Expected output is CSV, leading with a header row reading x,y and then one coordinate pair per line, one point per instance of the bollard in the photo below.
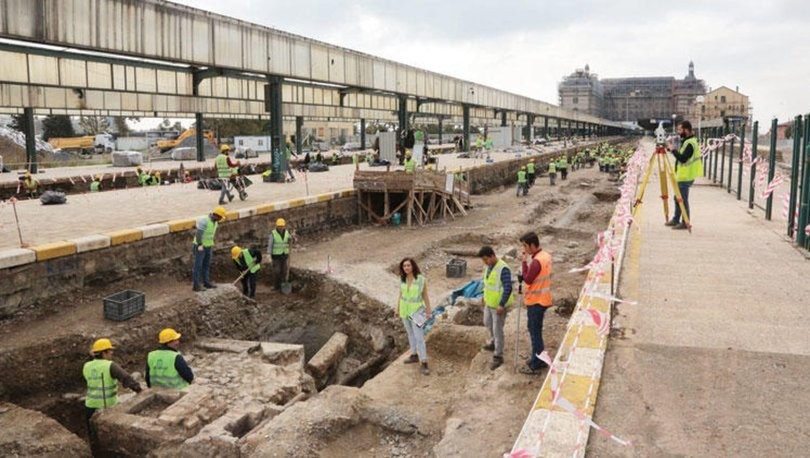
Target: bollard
x,y
753,172
740,165
794,174
771,168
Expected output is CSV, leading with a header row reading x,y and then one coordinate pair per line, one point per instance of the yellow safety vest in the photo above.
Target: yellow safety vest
x,y
223,171
693,167
208,233
249,260
522,176
410,297
102,388
162,372
281,245
493,288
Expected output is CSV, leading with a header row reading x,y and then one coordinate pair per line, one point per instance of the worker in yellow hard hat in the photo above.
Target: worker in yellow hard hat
x,y
248,261
410,162
102,376
95,185
30,185
278,247
522,182
203,244
530,173
165,366
224,166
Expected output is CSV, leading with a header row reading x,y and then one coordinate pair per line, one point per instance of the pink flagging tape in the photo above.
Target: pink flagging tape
x,y
608,297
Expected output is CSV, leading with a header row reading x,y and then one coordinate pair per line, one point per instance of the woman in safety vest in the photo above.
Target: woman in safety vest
x,y
413,306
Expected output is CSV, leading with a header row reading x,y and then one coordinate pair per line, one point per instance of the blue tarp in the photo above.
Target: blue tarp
x,y
472,289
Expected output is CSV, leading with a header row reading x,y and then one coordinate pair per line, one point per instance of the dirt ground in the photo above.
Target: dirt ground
x,y
464,405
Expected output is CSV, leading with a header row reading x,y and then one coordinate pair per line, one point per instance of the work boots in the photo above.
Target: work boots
x,y
496,362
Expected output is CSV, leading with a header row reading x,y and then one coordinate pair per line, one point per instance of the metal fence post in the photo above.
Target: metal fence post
x,y
794,174
716,155
723,159
730,159
771,168
740,165
753,172
804,207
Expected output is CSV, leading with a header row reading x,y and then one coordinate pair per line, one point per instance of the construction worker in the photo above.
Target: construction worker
x,y
30,185
479,143
530,172
688,166
497,297
410,163
488,142
522,182
552,172
290,153
562,166
413,300
203,244
95,185
278,247
248,261
165,366
224,166
142,176
187,177
459,175
536,269
102,376
155,179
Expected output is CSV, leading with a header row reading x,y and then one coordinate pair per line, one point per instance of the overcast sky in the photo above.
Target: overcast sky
x,y
527,46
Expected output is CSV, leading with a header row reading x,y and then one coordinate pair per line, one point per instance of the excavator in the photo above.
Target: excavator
x,y
166,145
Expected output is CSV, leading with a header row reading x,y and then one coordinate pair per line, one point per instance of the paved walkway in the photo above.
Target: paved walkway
x,y
714,360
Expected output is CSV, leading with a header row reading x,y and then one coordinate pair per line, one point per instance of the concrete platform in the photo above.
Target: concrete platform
x,y
714,359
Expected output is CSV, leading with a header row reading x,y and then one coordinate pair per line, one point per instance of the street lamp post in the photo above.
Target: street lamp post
x,y
699,99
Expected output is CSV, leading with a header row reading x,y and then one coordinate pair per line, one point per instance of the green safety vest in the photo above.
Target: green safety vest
x,y
354,159
95,186
694,165
162,372
410,165
30,183
479,142
281,245
410,297
552,167
102,388
208,233
493,288
223,171
521,176
489,144
563,164
142,178
249,260
530,168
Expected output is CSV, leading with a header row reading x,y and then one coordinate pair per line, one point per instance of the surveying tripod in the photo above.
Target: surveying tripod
x,y
664,171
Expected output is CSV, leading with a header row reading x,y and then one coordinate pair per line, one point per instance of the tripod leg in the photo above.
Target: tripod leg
x,y
662,178
643,186
678,196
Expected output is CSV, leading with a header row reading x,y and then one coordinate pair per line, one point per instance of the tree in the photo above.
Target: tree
x,y
92,125
54,126
18,123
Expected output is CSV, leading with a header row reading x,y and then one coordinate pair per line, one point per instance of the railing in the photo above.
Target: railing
x,y
728,154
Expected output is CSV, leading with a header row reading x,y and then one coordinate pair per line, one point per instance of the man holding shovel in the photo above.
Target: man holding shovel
x,y
278,247
248,261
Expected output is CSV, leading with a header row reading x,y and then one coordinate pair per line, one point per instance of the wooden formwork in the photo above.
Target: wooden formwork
x,y
420,197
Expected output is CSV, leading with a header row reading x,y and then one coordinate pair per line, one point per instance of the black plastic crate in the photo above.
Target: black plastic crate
x,y
124,305
456,268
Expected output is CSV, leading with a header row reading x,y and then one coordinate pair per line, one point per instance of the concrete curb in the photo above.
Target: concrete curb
x,y
15,257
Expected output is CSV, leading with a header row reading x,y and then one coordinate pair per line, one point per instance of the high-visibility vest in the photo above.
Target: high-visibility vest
x,y
142,177
249,260
552,167
95,186
281,245
538,292
493,288
521,176
410,165
102,388
30,183
530,168
354,159
223,171
410,297
563,163
693,167
208,233
162,372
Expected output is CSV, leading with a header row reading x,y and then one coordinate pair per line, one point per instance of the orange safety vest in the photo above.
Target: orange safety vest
x,y
538,292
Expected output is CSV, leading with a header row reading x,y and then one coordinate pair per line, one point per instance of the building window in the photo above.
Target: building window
x,y
576,100
722,99
723,113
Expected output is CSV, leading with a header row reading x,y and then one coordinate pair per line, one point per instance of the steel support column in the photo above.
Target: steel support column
x,y
545,127
198,137
30,140
503,118
559,128
466,130
362,133
299,135
272,104
441,128
402,116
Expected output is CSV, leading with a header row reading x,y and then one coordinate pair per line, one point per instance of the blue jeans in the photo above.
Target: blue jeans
x,y
223,193
202,265
534,321
683,187
416,339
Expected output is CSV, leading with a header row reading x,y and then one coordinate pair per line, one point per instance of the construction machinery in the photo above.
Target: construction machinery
x,y
88,144
166,145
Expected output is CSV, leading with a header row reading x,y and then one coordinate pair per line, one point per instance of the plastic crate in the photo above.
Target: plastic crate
x,y
124,305
456,268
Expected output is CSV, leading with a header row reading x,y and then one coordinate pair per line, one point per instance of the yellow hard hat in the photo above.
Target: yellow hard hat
x,y
220,211
102,345
531,160
281,222
522,167
224,147
27,174
98,177
168,335
235,252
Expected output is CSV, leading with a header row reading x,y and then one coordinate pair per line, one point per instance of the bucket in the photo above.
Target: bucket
x,y
396,219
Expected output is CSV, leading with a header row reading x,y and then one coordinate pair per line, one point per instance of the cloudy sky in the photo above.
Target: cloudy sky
x,y
527,46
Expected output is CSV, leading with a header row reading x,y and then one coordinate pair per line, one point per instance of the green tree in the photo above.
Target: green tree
x,y
18,123
92,125
54,126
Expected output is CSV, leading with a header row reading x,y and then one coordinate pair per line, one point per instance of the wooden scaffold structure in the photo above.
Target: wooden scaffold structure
x,y
421,196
